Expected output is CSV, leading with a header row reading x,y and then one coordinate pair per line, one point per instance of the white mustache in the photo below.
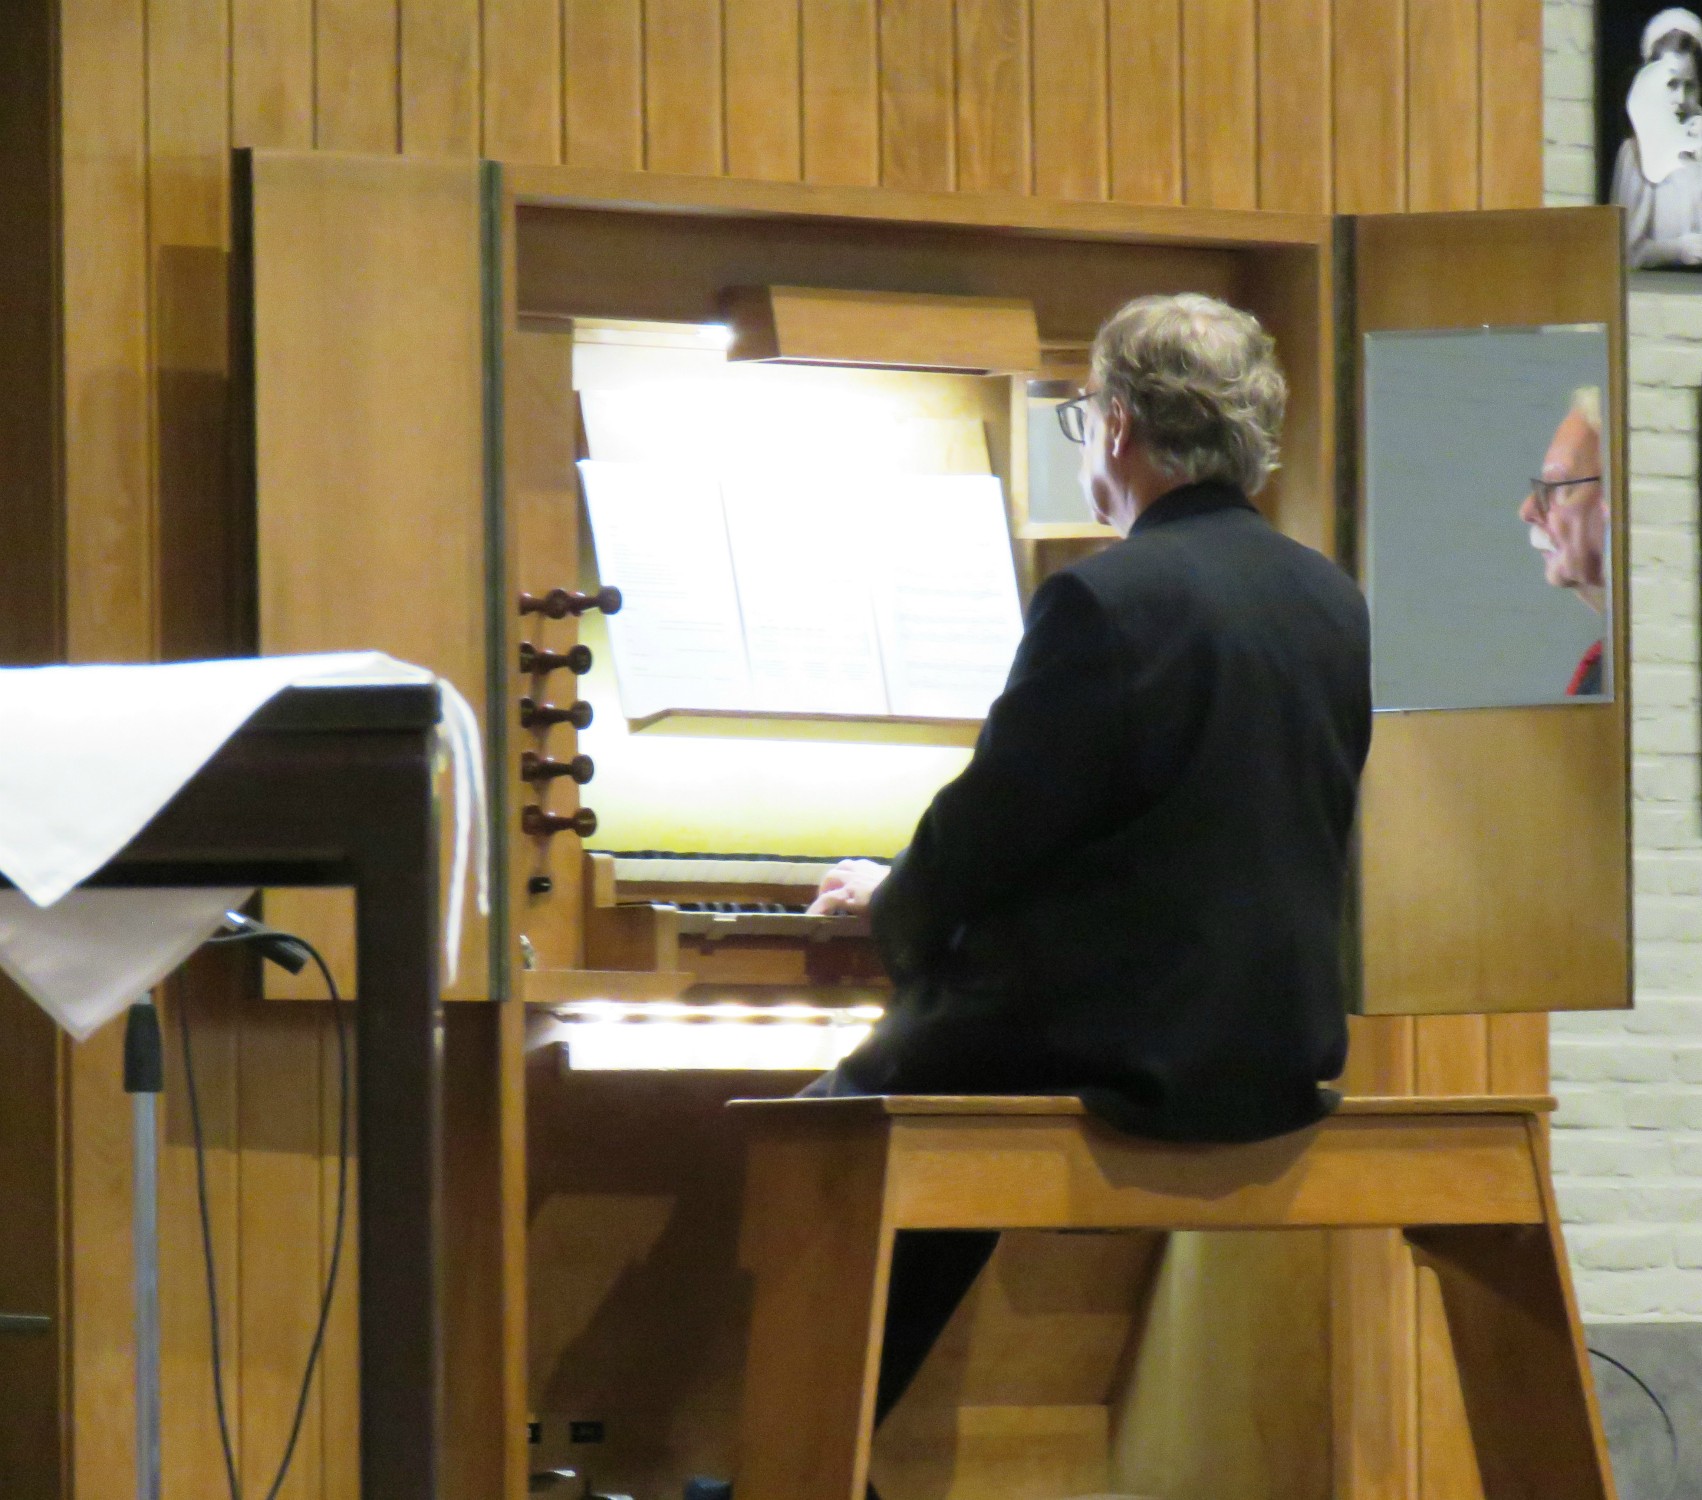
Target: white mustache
x,y
1541,540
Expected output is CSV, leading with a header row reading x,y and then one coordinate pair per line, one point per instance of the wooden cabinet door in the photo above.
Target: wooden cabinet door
x,y
1495,851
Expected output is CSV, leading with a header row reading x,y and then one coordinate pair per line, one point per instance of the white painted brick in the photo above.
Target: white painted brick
x,y
1664,363
1664,502
1664,778
1662,1109
1687,1249
1672,967
1659,408
1664,454
1599,1248
1687,1064
1663,1015
1598,1153
1664,827
1569,28
1667,643
1672,735
1687,1157
1677,1202
1568,75
1623,1060
1662,547
1570,175
1590,1108
1625,1294
1665,314
1592,1203
1657,689
1675,874
1570,120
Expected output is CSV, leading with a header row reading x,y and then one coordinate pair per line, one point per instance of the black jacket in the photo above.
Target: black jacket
x,y
1134,891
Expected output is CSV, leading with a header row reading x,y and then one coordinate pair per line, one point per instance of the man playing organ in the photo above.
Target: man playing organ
x,y
1134,891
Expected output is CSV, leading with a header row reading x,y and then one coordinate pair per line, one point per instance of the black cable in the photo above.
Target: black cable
x,y
284,949
1660,1406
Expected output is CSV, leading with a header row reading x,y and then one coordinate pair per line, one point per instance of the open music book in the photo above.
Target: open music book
x,y
861,596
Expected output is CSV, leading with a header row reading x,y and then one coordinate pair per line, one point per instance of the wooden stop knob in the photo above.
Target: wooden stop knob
x,y
538,768
537,823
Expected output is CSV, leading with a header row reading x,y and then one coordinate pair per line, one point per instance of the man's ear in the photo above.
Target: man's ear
x,y
1117,426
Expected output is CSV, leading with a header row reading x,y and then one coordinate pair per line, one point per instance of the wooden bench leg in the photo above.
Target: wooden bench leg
x,y
1523,1367
816,1237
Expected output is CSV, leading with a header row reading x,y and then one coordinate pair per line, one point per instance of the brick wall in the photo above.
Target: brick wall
x,y
1628,1134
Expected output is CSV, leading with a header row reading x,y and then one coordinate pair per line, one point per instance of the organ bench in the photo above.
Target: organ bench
x,y
831,1182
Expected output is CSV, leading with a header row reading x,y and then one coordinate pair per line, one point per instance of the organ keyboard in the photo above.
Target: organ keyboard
x,y
705,961
728,920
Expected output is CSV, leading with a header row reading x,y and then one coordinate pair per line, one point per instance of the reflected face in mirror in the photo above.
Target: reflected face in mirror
x,y
1566,508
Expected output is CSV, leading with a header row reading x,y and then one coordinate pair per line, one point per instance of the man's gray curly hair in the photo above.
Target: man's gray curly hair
x,y
1201,383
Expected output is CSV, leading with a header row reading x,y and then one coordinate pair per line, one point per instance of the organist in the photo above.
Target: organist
x,y
1134,891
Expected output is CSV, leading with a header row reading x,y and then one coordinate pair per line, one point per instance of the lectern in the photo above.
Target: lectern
x,y
333,786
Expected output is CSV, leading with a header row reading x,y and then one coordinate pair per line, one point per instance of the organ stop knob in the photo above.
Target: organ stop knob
x,y
536,715
536,768
558,604
537,823
537,661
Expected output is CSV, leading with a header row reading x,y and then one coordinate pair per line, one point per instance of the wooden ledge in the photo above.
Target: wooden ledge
x,y
1007,1105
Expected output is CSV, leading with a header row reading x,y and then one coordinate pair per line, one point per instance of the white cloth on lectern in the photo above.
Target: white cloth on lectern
x,y
92,953
88,756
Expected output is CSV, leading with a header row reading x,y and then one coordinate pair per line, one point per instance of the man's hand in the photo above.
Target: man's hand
x,y
847,887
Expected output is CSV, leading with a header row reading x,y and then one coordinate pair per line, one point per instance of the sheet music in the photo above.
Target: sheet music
x,y
799,563
944,591
661,532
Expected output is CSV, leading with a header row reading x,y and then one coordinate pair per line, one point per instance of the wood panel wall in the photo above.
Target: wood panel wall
x,y
1356,105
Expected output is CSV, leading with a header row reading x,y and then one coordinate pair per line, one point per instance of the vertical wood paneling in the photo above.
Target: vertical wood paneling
x,y
1512,177
841,103
1295,125
337,1409
280,1229
1145,61
764,124
356,54
109,531
918,92
271,63
603,55
522,80
993,150
1442,105
203,610
682,87
31,522
32,1432
1071,129
439,79
1220,105
102,1415
1369,70
210,991
1511,144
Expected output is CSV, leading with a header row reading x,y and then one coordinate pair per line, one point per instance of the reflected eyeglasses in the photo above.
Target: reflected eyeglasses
x,y
1542,491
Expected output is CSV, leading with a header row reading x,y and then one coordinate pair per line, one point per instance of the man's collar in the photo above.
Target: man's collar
x,y
1199,499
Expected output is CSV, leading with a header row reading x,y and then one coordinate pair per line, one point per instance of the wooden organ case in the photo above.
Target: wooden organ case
x,y
423,338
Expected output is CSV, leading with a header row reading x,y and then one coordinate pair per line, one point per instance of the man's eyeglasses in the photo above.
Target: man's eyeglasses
x,y
1072,417
1542,491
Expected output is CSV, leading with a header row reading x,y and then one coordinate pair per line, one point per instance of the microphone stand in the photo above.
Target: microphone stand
x,y
144,1081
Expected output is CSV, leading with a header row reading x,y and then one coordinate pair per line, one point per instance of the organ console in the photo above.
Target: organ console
x,y
642,982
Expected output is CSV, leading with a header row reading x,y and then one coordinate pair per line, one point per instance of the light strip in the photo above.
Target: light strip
x,y
659,1045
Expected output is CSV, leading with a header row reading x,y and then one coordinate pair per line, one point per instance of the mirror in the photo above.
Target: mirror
x,y
1487,482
